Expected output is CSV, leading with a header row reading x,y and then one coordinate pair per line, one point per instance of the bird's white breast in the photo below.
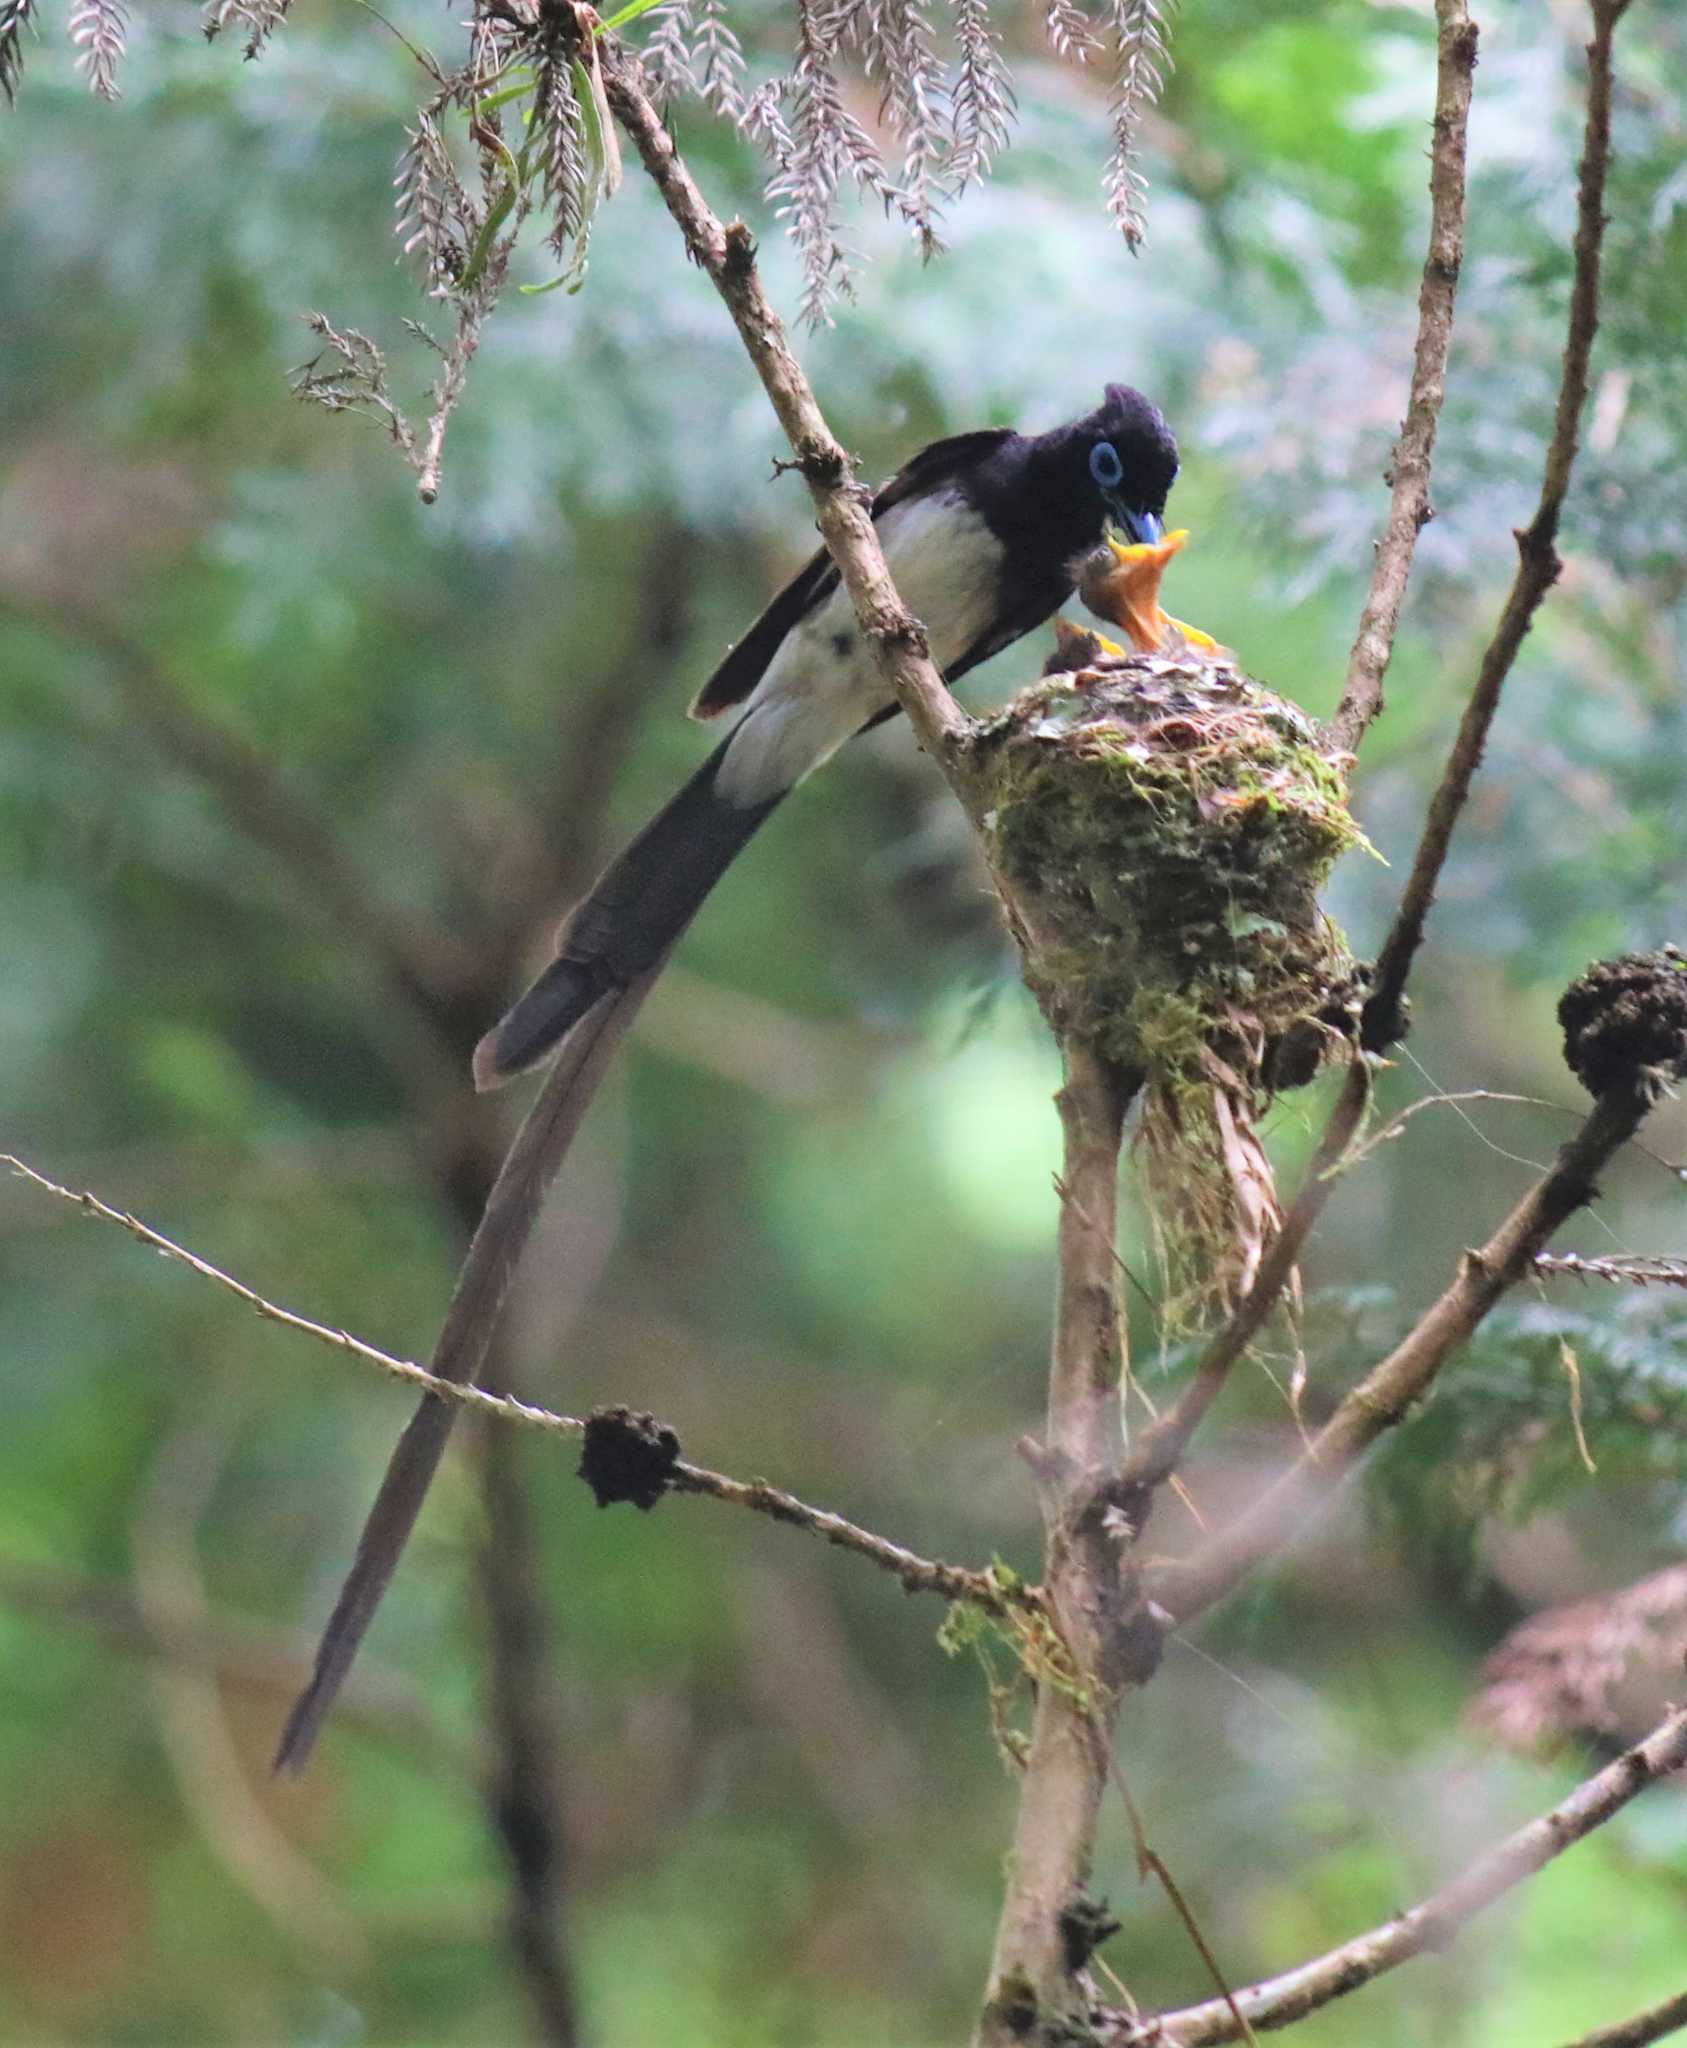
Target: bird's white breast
x,y
823,685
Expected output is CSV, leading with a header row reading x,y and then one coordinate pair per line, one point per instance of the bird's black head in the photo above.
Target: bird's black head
x,y
1123,455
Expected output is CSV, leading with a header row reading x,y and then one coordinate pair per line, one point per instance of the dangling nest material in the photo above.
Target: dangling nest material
x,y
1162,826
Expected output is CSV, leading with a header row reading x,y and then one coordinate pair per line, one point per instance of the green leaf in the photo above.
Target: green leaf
x,y
623,15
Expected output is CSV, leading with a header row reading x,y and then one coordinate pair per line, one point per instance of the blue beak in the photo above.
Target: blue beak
x,y
1142,527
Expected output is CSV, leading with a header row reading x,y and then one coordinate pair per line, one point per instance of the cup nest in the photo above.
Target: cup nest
x,y
1162,825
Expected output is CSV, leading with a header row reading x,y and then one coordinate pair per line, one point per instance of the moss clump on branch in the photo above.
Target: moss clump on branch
x,y
1626,1019
1161,825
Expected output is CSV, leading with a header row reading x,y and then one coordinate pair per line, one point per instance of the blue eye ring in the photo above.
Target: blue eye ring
x,y
1105,465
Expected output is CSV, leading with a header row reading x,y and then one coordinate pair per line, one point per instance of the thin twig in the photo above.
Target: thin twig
x,y
1150,1863
1639,2028
1157,1454
503,1407
1621,1271
918,1574
1538,564
1390,1389
1409,509
1397,1124
506,1407
1438,1919
452,381
727,255
429,63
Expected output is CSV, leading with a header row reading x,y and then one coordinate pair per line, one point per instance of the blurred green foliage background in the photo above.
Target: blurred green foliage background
x,y
297,776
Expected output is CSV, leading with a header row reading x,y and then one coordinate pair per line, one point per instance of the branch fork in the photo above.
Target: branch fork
x,y
1109,1614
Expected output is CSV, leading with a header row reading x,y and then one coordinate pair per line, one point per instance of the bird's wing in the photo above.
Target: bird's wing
x,y
815,581
1004,631
935,465
1032,609
746,663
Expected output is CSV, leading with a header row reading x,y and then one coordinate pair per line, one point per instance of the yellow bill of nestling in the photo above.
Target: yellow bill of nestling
x,y
1078,647
1121,583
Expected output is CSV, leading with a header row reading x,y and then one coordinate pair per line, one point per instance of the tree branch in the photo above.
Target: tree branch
x,y
1630,1270
1634,2032
1158,1452
1409,509
918,1574
1403,1378
338,1340
522,1786
1090,1584
1438,1920
1386,1393
1538,564
727,254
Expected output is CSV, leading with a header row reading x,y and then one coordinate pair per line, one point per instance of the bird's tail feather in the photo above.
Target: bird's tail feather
x,y
531,1165
634,913
611,950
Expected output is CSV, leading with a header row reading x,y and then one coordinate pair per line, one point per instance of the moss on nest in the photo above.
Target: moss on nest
x,y
1163,825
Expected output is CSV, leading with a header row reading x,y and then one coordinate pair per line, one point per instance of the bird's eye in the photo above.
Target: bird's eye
x,y
1105,465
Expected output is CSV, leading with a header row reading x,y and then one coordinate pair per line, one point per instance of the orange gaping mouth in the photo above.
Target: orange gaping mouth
x,y
1121,584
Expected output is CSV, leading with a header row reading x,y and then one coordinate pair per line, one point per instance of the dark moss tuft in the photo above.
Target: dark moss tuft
x,y
628,1456
1625,1021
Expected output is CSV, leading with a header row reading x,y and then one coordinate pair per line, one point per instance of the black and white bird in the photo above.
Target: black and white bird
x,y
982,534
979,533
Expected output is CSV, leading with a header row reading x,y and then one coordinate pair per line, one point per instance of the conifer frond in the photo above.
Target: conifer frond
x,y
952,120
349,374
259,18
15,17
824,145
100,31
1142,61
1071,32
560,120
433,210
717,62
763,120
899,53
982,102
666,57
1480,1447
